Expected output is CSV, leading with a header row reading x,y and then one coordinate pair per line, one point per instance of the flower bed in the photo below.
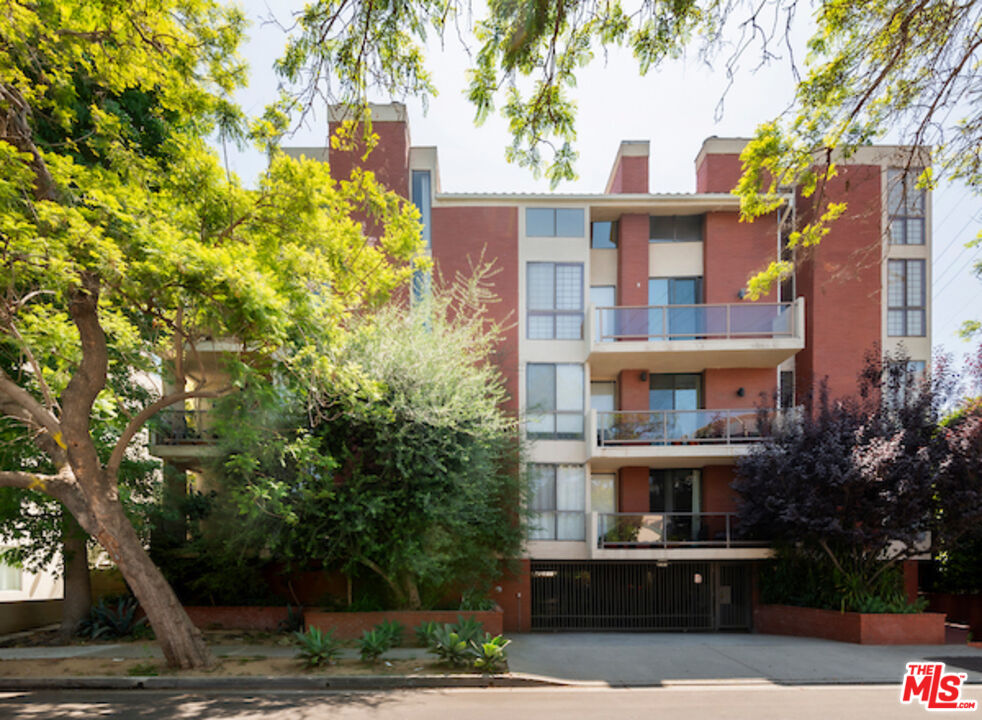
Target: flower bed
x,y
861,628
235,617
348,625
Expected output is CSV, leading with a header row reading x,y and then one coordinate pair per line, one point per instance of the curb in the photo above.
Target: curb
x,y
274,682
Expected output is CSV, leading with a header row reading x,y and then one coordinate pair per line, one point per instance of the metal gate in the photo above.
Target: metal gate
x,y
605,595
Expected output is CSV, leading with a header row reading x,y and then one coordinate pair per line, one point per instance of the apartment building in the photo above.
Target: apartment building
x,y
641,371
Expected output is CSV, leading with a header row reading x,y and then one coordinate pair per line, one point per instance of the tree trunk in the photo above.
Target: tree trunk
x,y
181,642
78,588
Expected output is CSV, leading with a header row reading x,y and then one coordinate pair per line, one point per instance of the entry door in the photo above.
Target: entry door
x,y
604,296
602,399
675,323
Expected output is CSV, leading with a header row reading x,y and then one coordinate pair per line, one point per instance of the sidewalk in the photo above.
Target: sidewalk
x,y
621,659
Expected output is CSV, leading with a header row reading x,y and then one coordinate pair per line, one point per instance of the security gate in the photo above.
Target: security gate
x,y
605,595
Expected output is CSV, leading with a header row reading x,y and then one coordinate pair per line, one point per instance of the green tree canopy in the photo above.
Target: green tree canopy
x,y
870,67
125,244
415,476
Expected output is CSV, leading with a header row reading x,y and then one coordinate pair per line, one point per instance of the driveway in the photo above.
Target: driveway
x,y
618,659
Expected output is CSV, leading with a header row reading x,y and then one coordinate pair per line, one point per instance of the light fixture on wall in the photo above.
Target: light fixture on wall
x,y
741,293
740,392
644,376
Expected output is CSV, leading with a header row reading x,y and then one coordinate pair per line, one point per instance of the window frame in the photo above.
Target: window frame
x,y
553,313
907,181
555,511
906,308
675,228
554,411
555,222
612,236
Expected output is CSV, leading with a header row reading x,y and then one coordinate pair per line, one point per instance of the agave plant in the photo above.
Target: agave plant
x,y
114,620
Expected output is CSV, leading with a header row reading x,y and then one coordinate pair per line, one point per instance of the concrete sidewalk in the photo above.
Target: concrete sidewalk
x,y
618,659
633,659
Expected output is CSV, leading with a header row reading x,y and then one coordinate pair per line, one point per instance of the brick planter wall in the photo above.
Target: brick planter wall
x,y
348,625
861,628
222,617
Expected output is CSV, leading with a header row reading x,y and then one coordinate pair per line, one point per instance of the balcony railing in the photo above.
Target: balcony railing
x,y
183,427
695,322
670,529
664,427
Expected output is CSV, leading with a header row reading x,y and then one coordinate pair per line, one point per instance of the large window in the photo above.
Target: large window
x,y
676,393
906,207
558,502
10,577
555,301
905,298
554,222
423,200
677,491
603,235
554,401
675,228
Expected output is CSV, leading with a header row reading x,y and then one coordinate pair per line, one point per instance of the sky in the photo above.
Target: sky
x,y
675,108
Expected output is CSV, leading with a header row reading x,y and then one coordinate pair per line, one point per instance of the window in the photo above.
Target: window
x,y
603,235
676,393
905,298
555,301
554,222
676,491
682,323
554,401
675,228
905,205
603,394
423,200
786,389
604,298
558,502
10,577
902,380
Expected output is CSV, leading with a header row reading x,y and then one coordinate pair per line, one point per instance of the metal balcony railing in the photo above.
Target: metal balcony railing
x,y
669,529
183,427
665,427
695,322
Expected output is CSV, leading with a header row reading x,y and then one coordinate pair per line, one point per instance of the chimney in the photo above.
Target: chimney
x,y
630,171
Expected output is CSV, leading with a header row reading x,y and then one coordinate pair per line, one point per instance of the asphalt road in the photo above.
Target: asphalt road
x,y
761,702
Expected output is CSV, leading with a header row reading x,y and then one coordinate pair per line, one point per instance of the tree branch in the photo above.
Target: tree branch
x,y
24,400
134,425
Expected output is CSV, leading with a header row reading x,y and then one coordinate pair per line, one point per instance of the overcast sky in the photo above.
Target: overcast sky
x,y
675,108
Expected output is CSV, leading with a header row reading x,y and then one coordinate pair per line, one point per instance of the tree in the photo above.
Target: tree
x,y
871,67
124,243
862,481
414,477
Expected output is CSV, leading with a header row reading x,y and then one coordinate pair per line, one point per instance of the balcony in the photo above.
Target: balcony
x,y
691,338
675,438
670,535
183,435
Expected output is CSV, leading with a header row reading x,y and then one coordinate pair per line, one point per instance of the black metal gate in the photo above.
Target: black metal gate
x,y
605,595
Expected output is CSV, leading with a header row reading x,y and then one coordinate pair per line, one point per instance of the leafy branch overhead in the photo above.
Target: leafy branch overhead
x,y
871,67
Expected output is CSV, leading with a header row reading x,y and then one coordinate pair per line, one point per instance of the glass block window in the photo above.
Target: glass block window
x,y
675,228
554,222
906,298
558,502
555,301
554,401
906,207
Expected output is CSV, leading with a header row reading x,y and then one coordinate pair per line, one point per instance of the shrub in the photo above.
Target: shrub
x,y
317,647
450,647
394,629
468,629
113,620
489,655
293,622
373,644
424,633
476,600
